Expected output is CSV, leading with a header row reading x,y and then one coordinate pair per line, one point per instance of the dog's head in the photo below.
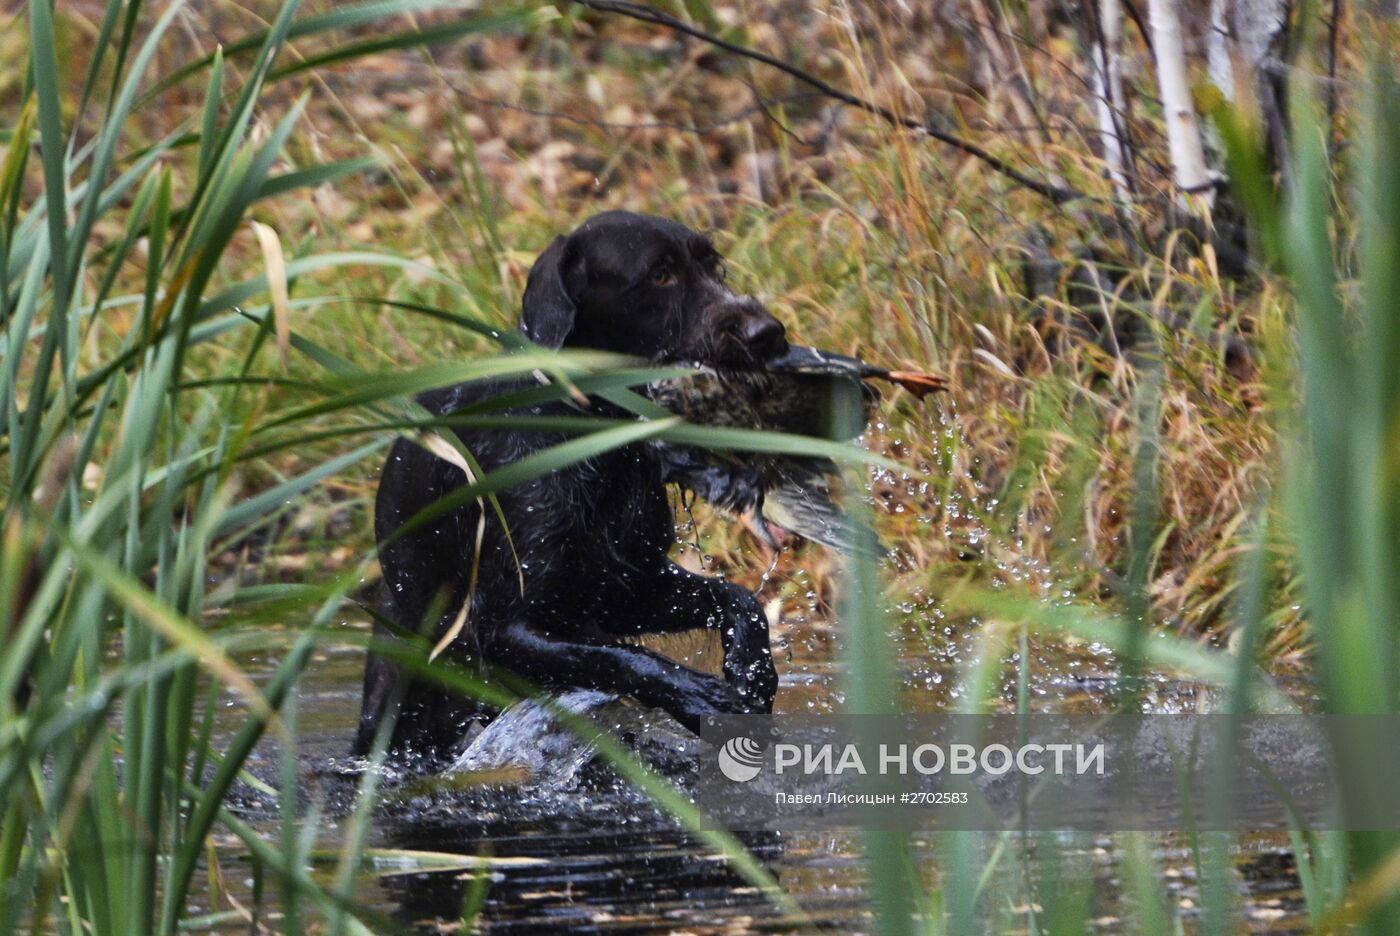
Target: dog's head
x,y
644,286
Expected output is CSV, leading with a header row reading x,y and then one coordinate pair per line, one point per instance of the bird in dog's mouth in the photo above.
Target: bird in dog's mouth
x,y
805,391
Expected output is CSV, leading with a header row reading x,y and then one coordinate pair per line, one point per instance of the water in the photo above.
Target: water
x,y
607,861
616,865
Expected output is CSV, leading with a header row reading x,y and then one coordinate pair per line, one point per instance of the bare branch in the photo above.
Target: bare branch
x,y
1055,193
1333,28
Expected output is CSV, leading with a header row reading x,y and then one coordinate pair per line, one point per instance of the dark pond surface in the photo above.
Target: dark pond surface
x,y
607,862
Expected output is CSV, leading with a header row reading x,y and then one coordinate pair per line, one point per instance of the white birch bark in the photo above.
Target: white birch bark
x,y
1259,27
1183,128
1218,52
1260,30
1252,31
1107,81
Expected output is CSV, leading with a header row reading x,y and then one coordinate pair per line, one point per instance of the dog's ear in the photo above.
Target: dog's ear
x,y
547,310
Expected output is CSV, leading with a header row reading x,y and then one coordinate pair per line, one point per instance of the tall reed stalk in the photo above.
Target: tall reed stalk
x,y
120,467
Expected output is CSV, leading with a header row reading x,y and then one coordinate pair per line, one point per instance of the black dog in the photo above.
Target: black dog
x,y
592,539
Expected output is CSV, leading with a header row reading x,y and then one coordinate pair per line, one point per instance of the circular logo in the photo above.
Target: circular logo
x,y
741,759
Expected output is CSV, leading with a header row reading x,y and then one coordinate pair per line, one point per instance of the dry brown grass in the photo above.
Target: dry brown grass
x,y
862,238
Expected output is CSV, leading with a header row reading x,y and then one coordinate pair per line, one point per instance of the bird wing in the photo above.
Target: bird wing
x,y
728,485
801,501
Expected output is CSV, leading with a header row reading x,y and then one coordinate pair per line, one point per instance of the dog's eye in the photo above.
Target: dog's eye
x,y
663,276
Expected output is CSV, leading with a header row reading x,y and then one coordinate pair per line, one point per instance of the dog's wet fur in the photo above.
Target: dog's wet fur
x,y
592,539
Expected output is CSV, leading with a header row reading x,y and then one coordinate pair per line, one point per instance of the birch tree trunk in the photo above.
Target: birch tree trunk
x,y
1189,167
1107,81
1244,54
1260,27
1219,54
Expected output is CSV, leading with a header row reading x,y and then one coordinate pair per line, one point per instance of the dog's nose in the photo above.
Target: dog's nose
x,y
765,336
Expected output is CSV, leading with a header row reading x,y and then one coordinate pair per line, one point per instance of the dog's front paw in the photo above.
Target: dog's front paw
x,y
755,679
748,656
707,699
